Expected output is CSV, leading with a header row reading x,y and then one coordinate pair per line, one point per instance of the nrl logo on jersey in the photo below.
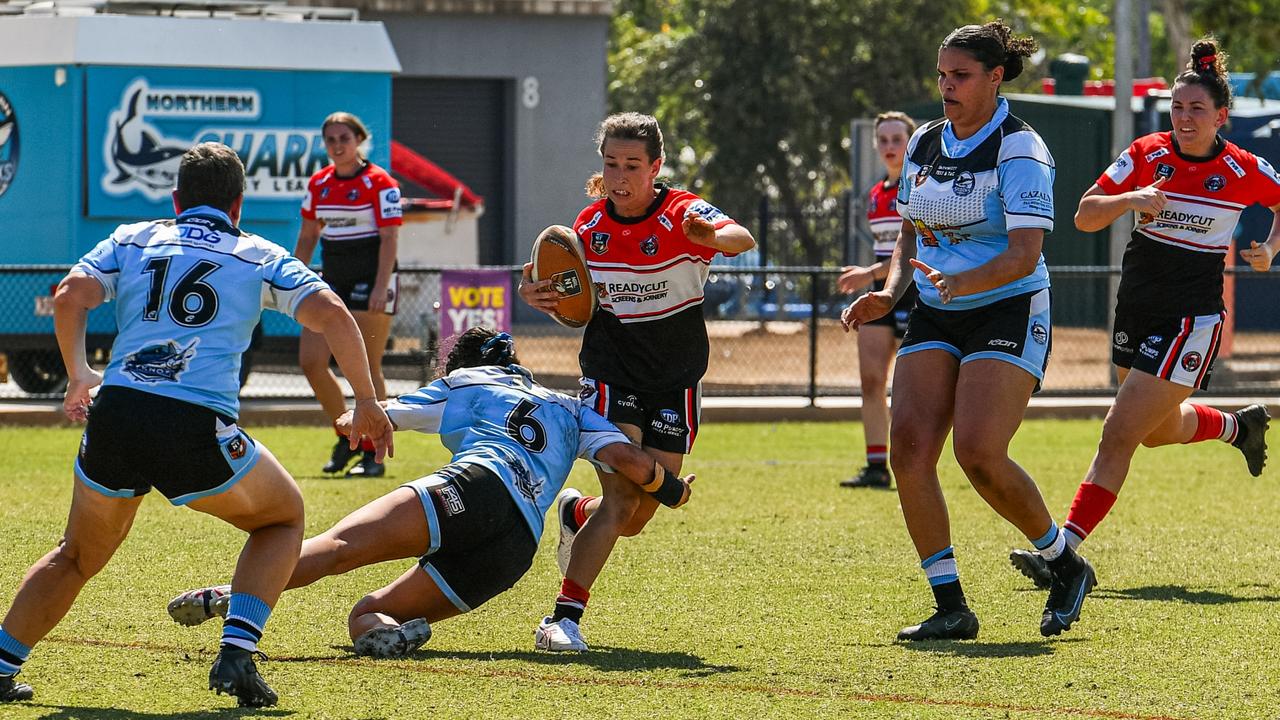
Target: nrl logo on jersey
x,y
599,242
164,362
141,158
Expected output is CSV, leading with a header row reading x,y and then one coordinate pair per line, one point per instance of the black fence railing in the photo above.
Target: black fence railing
x,y
774,332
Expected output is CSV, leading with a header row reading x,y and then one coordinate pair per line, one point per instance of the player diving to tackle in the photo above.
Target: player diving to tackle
x,y
475,523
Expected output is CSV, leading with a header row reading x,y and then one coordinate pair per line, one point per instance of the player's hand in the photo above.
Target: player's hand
x,y
538,295
869,307
75,405
687,481
368,420
1149,200
943,283
378,299
698,229
1258,256
854,277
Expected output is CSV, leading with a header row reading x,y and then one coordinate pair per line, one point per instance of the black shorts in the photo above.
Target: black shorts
x,y
668,420
138,440
1015,330
480,543
901,312
1180,350
350,267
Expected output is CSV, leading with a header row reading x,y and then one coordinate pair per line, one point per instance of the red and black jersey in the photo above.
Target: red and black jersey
x,y
883,217
352,209
649,333
1174,262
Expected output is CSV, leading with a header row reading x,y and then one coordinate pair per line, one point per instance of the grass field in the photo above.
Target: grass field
x,y
773,594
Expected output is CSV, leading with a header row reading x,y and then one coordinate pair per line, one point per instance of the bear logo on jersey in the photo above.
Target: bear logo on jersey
x,y
160,363
1191,361
649,246
599,242
1214,183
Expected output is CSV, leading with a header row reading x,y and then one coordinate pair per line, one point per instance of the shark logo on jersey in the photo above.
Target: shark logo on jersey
x,y
164,362
151,165
523,480
8,144
963,184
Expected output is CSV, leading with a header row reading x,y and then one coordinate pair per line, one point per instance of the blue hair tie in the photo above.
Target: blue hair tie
x,y
504,346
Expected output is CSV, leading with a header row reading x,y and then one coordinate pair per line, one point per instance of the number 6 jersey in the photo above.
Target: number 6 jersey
x,y
188,294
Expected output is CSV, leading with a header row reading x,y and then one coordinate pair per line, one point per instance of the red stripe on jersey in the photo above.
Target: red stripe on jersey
x,y
1206,201
1179,241
658,313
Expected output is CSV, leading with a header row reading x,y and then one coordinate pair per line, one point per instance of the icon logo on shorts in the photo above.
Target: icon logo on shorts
x,y
963,184
998,342
1214,183
650,245
1191,361
599,242
1039,333
237,447
1122,338
450,500
160,363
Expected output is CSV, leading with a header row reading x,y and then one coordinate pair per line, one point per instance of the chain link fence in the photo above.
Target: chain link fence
x,y
774,332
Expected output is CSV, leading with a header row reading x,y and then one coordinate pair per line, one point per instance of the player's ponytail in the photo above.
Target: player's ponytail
x,y
1208,69
481,346
994,45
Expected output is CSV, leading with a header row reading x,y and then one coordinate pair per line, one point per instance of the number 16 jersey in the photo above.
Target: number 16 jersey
x,y
188,294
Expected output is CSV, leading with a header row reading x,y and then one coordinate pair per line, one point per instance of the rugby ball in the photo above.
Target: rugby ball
x,y
557,256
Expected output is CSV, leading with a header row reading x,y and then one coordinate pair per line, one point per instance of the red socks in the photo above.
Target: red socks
x,y
580,512
877,454
1092,503
1212,424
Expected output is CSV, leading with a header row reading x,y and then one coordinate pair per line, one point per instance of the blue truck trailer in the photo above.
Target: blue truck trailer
x,y
98,101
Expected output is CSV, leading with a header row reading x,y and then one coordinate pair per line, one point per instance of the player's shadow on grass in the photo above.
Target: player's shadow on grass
x,y
72,712
1179,593
601,657
968,649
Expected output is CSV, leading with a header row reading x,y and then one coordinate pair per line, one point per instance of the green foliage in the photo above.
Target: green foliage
x,y
1246,28
774,593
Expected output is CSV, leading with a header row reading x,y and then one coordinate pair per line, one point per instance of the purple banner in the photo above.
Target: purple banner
x,y
474,297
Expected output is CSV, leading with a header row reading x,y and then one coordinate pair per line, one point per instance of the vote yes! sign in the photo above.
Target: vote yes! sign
x,y
474,297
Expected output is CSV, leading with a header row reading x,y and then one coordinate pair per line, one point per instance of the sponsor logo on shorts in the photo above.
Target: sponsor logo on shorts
x,y
998,342
1214,183
649,246
1039,333
669,416
668,423
1191,361
599,242
631,402
237,447
1122,338
1150,347
963,184
450,500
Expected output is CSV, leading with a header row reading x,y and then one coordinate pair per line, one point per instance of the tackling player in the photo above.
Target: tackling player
x,y
352,207
976,197
188,294
877,339
475,523
1186,189
648,249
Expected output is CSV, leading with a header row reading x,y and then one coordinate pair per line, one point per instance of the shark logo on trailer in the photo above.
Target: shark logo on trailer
x,y
8,144
141,158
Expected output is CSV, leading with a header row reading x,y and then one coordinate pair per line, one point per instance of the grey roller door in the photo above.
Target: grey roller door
x,y
463,126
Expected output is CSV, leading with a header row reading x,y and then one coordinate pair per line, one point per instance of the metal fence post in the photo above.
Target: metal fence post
x,y
813,338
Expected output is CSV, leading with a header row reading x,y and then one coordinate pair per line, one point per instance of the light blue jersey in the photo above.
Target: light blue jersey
x,y
188,294
964,196
500,419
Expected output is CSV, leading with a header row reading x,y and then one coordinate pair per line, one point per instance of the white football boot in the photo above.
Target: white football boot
x,y
561,636
195,606
394,642
564,550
